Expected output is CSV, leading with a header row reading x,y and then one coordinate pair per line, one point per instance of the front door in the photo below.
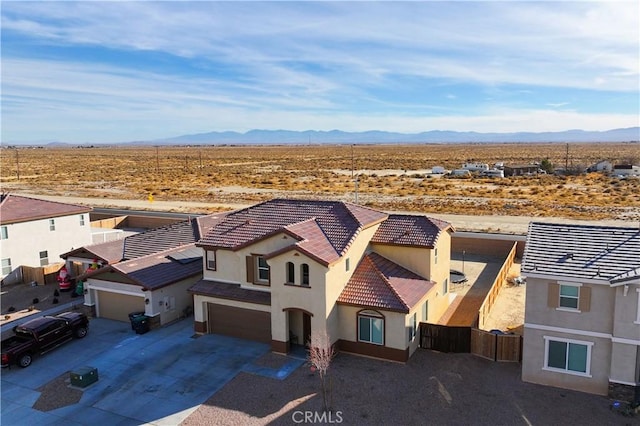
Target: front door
x,y
306,328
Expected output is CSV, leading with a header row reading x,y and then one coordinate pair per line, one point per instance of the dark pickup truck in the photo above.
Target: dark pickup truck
x,y
40,335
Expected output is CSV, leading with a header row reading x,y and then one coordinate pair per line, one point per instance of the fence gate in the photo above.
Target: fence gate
x,y
445,338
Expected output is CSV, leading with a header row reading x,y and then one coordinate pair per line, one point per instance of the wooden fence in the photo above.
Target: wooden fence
x,y
41,274
495,347
497,285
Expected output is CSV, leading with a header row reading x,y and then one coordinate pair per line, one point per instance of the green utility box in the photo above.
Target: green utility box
x,y
84,376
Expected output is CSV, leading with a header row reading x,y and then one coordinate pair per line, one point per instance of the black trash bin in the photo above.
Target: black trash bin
x,y
141,324
132,318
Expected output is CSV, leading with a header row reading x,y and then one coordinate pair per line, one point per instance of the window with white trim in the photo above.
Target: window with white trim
x,y
347,264
211,260
44,258
413,327
291,273
445,286
4,233
567,356
6,266
52,224
81,220
425,311
569,296
435,256
304,274
263,269
371,327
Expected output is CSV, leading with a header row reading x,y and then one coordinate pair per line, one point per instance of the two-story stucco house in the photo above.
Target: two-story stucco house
x,y
282,269
582,315
35,232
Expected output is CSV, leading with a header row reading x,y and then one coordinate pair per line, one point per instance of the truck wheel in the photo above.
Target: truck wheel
x,y
25,360
81,332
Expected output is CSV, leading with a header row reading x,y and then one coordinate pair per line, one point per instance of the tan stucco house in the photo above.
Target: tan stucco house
x,y
280,270
582,315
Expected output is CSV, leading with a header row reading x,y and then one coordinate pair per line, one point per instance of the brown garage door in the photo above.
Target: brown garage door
x,y
118,306
238,322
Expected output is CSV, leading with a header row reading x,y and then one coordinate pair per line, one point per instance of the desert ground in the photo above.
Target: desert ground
x,y
387,177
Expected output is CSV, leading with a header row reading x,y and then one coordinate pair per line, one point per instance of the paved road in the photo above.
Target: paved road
x,y
493,224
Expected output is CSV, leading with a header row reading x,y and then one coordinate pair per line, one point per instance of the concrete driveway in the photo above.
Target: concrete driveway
x,y
157,378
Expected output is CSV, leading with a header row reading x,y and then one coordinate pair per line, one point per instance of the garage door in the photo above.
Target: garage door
x,y
238,322
118,306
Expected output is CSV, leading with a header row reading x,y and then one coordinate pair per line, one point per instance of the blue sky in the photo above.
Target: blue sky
x,y
120,71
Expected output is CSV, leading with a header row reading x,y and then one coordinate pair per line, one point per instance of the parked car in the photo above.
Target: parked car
x,y
40,335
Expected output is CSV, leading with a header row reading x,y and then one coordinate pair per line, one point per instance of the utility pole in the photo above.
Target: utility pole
x,y
157,162
566,161
17,165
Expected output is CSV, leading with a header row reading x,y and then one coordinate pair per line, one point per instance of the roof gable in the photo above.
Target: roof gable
x,y
410,230
582,251
16,209
380,283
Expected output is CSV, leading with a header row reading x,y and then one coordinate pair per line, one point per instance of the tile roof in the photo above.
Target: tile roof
x,y
582,251
159,269
16,209
323,228
110,252
231,292
159,239
378,282
410,230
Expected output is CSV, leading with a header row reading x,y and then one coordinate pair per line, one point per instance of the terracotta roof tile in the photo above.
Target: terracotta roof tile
x,y
334,225
16,209
380,283
231,292
410,230
159,239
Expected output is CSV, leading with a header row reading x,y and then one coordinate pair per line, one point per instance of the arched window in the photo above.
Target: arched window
x,y
291,274
304,273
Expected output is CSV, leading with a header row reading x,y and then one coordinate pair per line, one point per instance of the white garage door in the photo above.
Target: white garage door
x,y
118,306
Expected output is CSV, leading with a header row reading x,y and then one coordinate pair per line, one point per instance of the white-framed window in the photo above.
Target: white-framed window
x,y
371,327
304,274
82,223
4,233
44,258
425,311
211,260
637,321
445,286
413,326
263,269
6,266
347,264
291,273
569,296
435,255
567,356
52,224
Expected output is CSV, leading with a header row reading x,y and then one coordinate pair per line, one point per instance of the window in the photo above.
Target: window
x,y
4,233
637,321
263,269
569,296
6,266
52,224
425,311
347,264
371,327
291,273
445,286
412,327
44,258
435,256
567,356
211,259
81,220
304,273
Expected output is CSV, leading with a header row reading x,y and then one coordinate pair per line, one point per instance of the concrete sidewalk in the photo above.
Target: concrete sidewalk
x,y
156,378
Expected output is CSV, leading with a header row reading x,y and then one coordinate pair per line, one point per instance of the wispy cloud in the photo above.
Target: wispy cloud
x,y
200,66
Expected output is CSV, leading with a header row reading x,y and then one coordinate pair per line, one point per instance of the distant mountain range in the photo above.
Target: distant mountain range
x,y
272,137
284,137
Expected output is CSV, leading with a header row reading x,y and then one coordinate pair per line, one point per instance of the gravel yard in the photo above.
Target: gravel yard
x,y
432,388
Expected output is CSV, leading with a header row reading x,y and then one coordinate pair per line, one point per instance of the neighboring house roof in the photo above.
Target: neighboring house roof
x,y
631,275
231,292
378,282
110,252
16,209
582,251
324,229
410,230
159,269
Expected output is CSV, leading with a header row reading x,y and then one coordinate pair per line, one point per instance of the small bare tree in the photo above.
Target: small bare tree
x,y
321,352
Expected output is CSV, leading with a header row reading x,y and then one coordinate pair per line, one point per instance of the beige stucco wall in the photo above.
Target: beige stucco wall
x,y
174,298
625,324
533,363
624,362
